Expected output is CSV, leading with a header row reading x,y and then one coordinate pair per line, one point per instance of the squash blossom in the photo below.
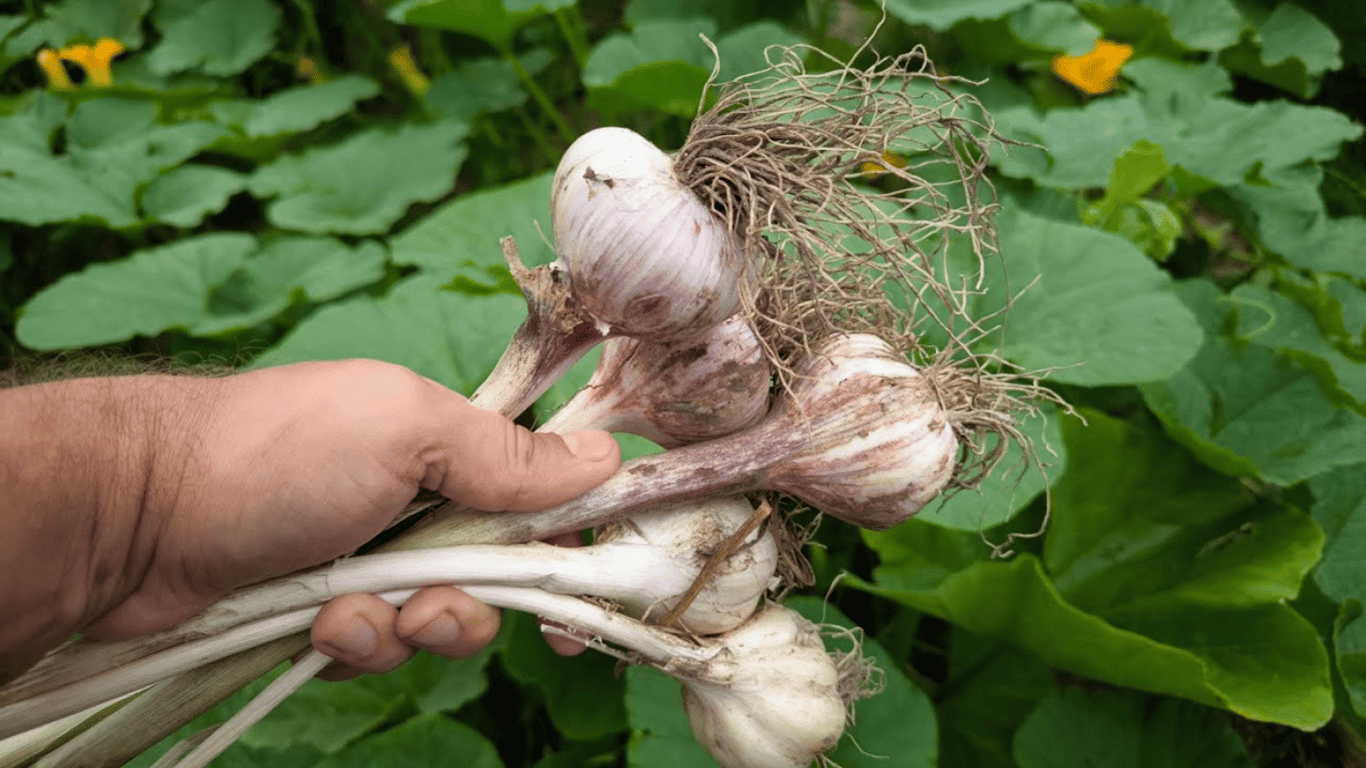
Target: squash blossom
x,y
402,61
94,59
872,169
1095,72
308,70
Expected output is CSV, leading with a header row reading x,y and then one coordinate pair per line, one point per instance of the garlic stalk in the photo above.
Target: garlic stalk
x,y
645,565
644,256
860,435
673,393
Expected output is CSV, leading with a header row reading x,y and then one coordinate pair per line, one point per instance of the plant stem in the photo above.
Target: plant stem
x,y
573,34
541,97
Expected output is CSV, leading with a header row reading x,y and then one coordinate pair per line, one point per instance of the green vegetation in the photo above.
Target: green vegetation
x,y
267,181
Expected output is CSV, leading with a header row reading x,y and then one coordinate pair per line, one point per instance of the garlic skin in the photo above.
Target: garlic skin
x,y
770,698
674,393
688,535
644,256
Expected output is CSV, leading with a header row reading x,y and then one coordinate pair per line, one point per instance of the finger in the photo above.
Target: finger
x,y
446,621
358,630
492,464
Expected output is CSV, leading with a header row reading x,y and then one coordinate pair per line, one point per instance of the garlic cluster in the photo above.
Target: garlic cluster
x,y
674,392
644,256
770,698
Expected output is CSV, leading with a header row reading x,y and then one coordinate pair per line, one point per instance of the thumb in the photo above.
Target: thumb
x,y
492,464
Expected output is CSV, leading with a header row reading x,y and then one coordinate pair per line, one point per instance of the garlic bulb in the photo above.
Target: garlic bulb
x,y
689,534
771,698
673,393
644,256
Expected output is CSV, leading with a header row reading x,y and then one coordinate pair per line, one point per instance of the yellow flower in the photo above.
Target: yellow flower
x,y
872,169
402,61
51,64
308,70
94,59
1094,73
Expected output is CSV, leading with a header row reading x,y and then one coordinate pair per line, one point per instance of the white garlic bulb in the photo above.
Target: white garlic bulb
x,y
770,698
644,256
674,393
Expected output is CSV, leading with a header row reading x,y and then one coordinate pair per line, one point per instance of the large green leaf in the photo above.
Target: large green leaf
x,y
1138,527
363,184
1246,410
325,716
1265,663
660,735
184,195
1055,26
1218,139
71,21
1077,728
1290,218
305,107
992,687
659,64
1295,50
1156,76
219,37
1340,509
483,85
444,335
487,19
1097,308
942,14
427,741
582,694
149,292
461,239
1012,484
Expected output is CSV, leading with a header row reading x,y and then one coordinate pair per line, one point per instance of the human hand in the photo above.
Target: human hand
x,y
293,466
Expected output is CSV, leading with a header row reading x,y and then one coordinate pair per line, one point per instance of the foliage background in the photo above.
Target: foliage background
x,y
261,184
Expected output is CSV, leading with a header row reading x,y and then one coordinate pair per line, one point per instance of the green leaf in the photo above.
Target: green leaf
x,y
363,184
992,688
460,240
287,271
325,716
72,21
1162,77
451,337
1140,528
1012,484
1246,410
728,14
1077,728
660,734
428,741
1264,663
1340,509
1295,50
1217,139
487,19
1349,643
1053,25
1202,25
585,699
220,37
895,728
658,65
1098,305
482,85
305,107
151,291
942,14
1275,321
183,196
743,51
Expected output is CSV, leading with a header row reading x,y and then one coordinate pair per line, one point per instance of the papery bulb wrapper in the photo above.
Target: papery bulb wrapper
x,y
643,254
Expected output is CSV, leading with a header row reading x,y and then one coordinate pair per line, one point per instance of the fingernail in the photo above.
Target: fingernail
x,y
440,631
358,641
590,446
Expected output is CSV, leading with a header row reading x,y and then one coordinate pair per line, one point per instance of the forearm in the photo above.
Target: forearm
x,y
84,480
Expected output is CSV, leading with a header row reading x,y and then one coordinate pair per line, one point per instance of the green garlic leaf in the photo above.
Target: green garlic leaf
x,y
490,20
219,37
1139,528
1080,728
1247,411
288,271
183,196
426,741
1264,662
451,337
1098,305
480,86
1011,486
582,694
151,291
460,240
660,734
897,726
992,688
942,14
363,184
1275,321
658,65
